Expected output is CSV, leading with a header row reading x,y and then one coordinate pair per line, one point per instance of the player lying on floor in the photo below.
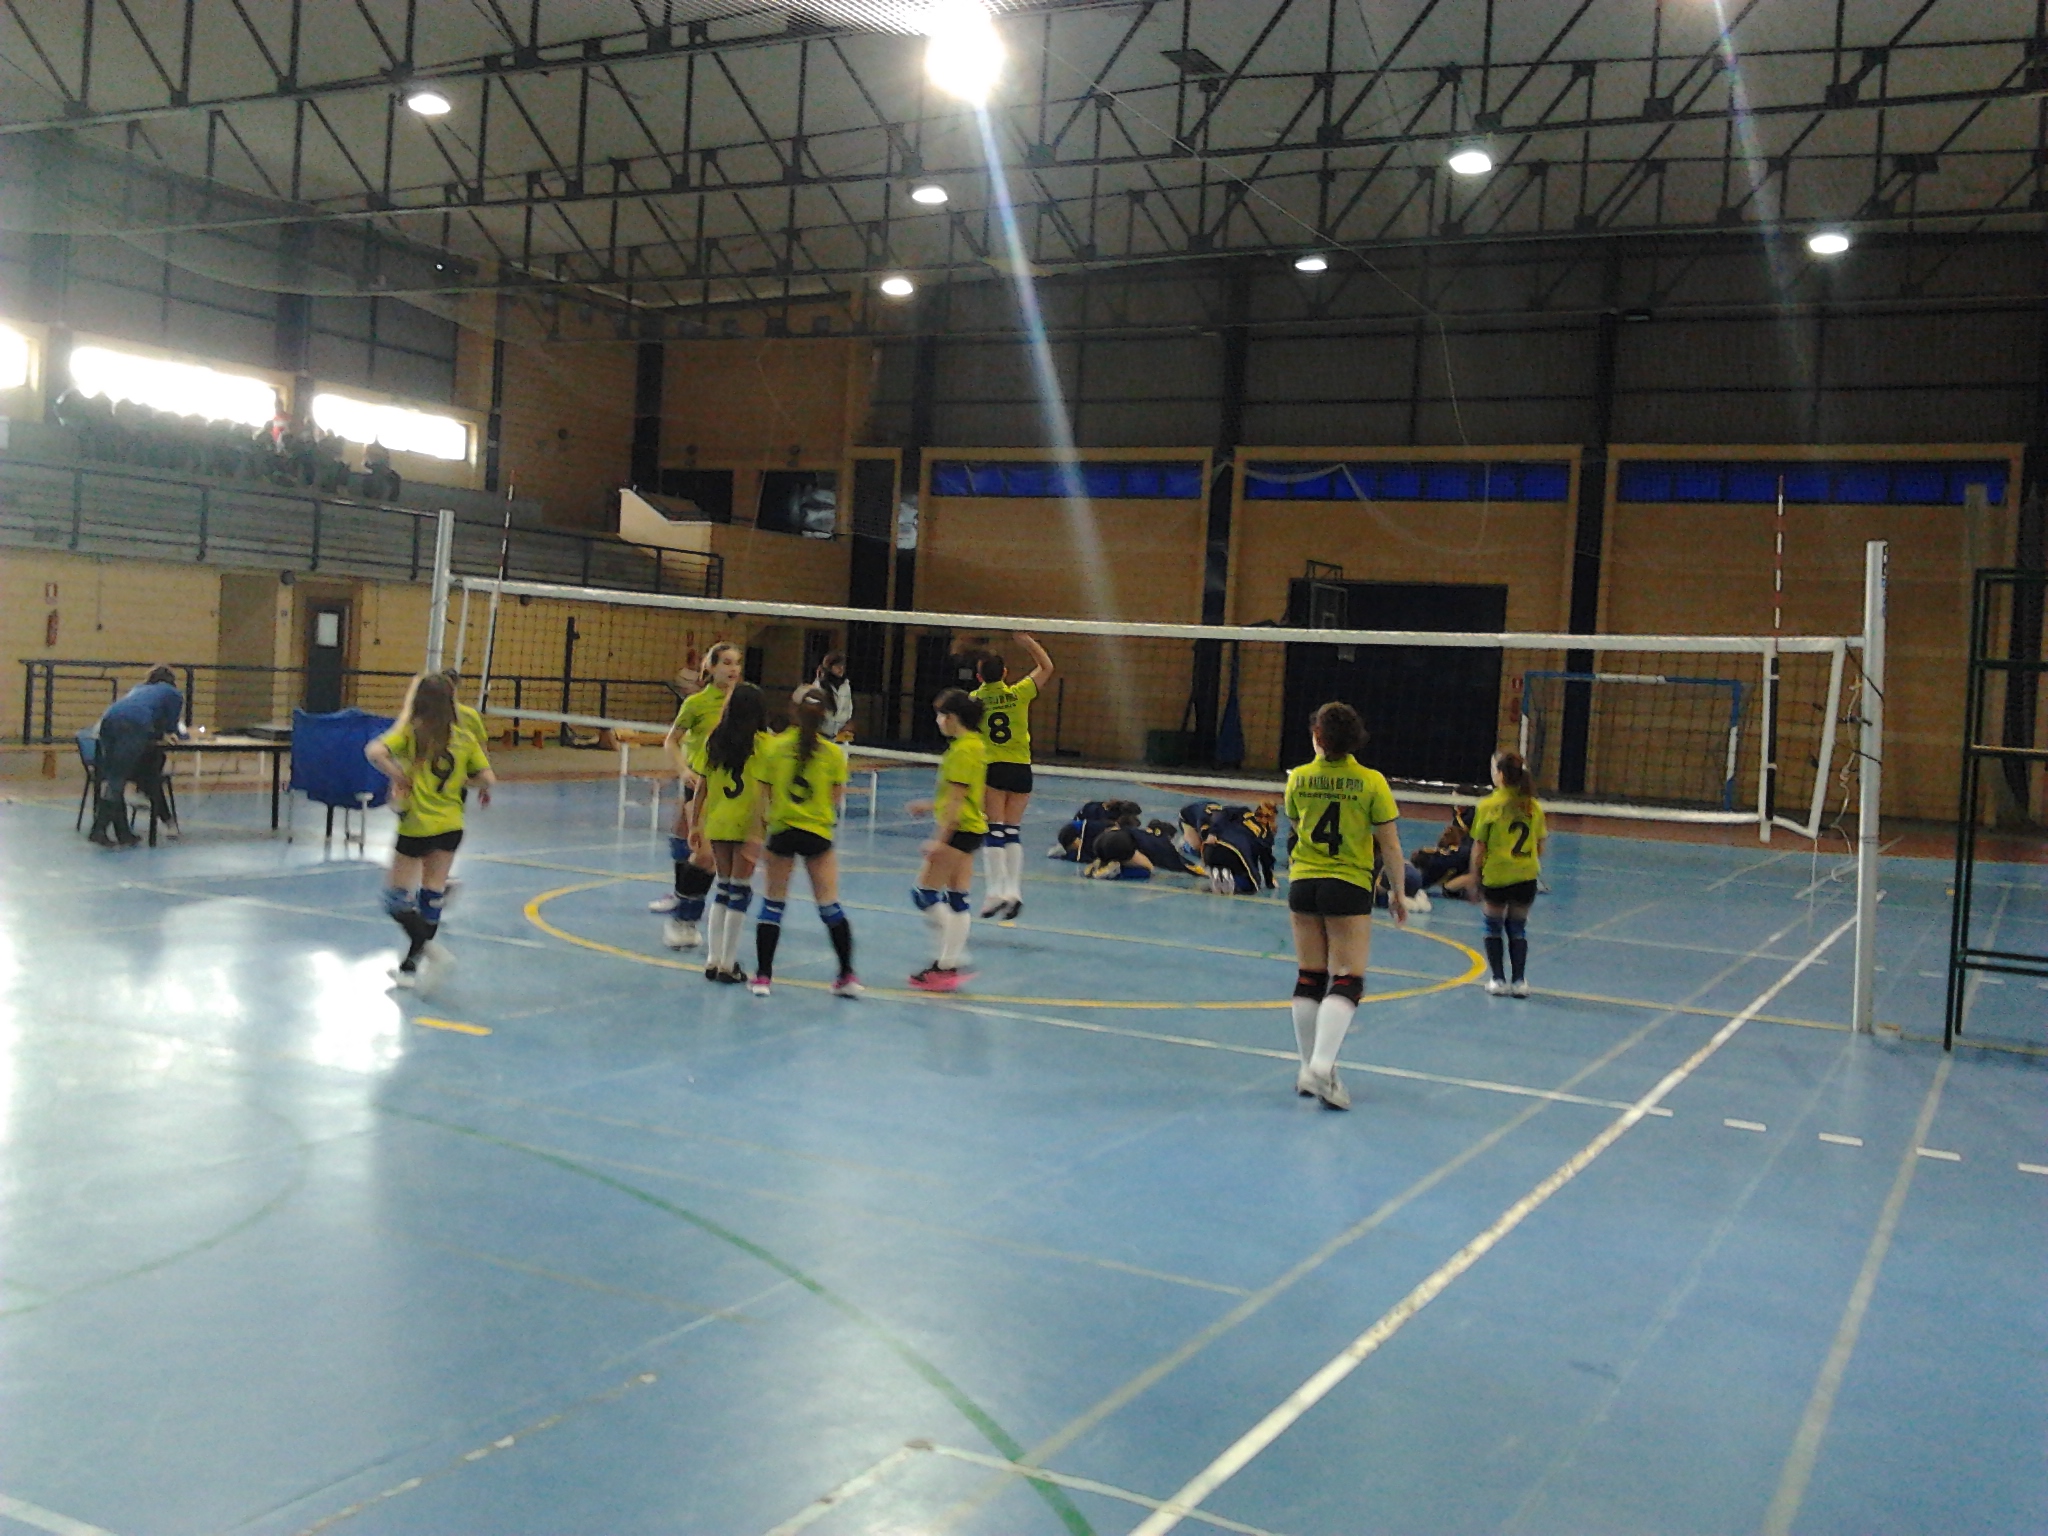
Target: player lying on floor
x,y
1076,840
1134,853
1232,844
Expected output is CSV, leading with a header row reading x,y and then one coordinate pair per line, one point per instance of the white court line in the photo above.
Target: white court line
x,y
1752,868
1090,1485
47,1520
1820,1407
1745,1125
1938,1155
1841,1141
2034,1168
1323,1382
825,1503
327,912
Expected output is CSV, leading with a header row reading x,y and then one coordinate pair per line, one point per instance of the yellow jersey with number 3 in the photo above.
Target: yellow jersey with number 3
x,y
801,796
965,769
696,720
1333,805
730,798
1006,719
433,801
1510,831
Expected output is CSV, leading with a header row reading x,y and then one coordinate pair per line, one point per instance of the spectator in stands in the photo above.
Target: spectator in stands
x,y
131,735
380,481
838,688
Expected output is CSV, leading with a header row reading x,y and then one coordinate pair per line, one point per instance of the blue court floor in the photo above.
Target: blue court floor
x,y
582,1244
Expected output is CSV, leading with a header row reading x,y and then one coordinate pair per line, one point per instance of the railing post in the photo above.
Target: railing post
x,y
77,504
314,563
49,693
660,563
586,564
416,559
205,516
28,701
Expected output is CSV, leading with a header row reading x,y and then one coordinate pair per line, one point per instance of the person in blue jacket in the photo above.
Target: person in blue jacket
x,y
130,733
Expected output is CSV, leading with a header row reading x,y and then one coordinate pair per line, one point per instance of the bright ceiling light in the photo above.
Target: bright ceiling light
x,y
964,56
1471,160
931,194
430,103
1827,242
898,287
1314,261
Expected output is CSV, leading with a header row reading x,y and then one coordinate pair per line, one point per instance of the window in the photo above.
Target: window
x,y
1375,480
1173,480
804,501
14,358
1911,483
397,427
178,389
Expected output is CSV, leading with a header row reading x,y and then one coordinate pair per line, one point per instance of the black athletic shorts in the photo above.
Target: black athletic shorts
x,y
1521,894
795,843
966,842
1010,778
1329,898
420,847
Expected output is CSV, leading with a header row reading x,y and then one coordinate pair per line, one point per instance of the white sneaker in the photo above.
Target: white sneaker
x,y
847,986
665,902
758,986
1495,987
677,934
1222,882
440,954
1419,902
1304,1082
1332,1092
403,979
1518,988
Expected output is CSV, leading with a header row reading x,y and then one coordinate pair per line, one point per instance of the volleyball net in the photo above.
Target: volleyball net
x,y
1702,729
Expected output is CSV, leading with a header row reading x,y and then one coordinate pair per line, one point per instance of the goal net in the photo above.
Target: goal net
x,y
1713,729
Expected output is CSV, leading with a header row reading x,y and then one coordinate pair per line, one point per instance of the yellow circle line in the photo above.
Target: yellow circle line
x,y
1475,968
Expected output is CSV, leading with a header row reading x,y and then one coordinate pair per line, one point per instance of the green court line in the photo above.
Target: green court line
x,y
1055,1497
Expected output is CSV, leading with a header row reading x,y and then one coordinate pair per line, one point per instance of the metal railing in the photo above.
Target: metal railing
x,y
94,509
60,698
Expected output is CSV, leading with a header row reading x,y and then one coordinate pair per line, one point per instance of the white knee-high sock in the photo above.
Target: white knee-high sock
x,y
1333,1019
1305,1009
715,917
953,939
1013,858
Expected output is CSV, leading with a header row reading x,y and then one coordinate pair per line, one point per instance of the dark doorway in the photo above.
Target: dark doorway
x,y
1432,713
938,669
326,655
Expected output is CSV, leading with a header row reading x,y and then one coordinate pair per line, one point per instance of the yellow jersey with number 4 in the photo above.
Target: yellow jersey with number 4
x,y
1334,804
1006,719
963,773
801,796
1510,831
433,801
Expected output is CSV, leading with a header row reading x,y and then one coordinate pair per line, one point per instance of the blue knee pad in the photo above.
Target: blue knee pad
x,y
771,912
679,849
957,900
1493,925
397,903
738,897
832,914
924,898
1518,927
430,904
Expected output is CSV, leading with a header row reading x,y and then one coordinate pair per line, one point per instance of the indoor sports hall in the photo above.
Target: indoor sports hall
x,y
1023,766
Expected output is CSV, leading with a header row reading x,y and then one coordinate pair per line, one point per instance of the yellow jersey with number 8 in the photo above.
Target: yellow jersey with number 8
x,y
1006,719
1334,804
1510,831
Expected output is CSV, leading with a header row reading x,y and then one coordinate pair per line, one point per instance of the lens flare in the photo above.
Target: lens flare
x,y
964,56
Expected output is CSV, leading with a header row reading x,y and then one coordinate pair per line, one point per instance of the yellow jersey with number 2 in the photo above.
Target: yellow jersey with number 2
x,y
1509,830
1333,805
1006,719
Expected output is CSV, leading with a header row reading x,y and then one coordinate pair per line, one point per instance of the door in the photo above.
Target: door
x,y
938,668
1431,713
326,655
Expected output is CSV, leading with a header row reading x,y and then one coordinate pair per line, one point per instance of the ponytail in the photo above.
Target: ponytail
x,y
812,708
1514,778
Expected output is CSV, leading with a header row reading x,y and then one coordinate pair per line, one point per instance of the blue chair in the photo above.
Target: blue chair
x,y
329,768
88,759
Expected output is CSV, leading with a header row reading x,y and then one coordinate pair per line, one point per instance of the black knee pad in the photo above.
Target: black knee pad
x,y
695,881
1311,984
1350,988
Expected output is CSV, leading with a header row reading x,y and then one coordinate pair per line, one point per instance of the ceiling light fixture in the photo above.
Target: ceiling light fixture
x,y
1473,159
964,56
930,193
1827,242
1314,261
898,287
430,103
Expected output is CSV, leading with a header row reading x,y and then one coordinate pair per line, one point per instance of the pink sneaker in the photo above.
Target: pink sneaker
x,y
847,986
936,979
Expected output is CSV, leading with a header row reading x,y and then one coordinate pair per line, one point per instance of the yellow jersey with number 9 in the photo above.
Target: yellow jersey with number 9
x,y
1510,831
433,801
801,795
965,769
1006,719
1334,804
696,720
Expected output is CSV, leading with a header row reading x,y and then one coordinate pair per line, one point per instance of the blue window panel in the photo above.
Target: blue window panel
x,y
987,480
1105,481
1392,482
951,478
1546,482
1750,483
1864,485
1500,482
1645,482
1924,484
1181,480
1143,480
1990,476
1450,482
1697,482
1807,483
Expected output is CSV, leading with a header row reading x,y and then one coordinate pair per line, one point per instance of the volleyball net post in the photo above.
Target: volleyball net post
x,y
1870,782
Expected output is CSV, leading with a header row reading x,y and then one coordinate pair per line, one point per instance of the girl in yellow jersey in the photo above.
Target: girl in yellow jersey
x,y
1343,818
429,760
1006,727
729,821
1507,853
803,786
684,745
948,871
